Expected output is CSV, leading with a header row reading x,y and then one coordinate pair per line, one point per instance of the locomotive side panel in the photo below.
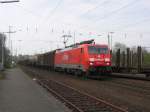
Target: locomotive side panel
x,y
70,59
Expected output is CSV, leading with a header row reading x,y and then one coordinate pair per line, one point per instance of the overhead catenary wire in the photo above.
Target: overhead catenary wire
x,y
28,11
134,24
49,15
53,11
38,40
12,1
117,10
92,9
114,12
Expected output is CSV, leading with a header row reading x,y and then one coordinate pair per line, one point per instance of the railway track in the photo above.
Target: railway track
x,y
120,75
77,100
140,90
131,90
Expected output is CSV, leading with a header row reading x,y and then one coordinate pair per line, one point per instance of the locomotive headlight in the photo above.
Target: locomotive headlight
x,y
91,59
107,59
91,63
107,63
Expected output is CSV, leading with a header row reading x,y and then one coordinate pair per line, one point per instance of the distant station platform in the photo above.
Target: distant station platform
x,y
19,93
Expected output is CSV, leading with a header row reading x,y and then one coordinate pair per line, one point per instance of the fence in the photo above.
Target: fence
x,y
134,61
146,57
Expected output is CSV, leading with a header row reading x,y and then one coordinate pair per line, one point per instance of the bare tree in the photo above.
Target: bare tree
x,y
120,46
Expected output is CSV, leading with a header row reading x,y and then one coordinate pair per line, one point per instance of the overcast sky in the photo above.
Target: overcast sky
x,y
43,22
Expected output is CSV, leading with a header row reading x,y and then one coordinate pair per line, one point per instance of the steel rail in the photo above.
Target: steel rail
x,y
45,84
58,95
77,100
119,75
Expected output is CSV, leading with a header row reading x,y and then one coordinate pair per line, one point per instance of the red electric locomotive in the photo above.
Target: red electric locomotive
x,y
86,57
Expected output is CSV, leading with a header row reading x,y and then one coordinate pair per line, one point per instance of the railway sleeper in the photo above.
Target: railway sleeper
x,y
89,109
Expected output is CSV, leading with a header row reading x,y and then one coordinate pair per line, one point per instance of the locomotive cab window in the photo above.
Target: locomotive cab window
x,y
97,50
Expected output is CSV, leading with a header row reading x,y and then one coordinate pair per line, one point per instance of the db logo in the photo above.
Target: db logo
x,y
65,57
98,56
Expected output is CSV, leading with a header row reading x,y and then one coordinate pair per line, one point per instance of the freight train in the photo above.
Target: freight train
x,y
84,58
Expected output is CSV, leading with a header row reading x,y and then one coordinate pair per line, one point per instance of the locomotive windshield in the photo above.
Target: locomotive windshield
x,y
97,50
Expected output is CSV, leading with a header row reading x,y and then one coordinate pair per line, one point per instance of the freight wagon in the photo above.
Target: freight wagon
x,y
46,60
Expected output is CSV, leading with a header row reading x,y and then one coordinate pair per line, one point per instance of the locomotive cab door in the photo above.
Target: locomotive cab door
x,y
81,58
